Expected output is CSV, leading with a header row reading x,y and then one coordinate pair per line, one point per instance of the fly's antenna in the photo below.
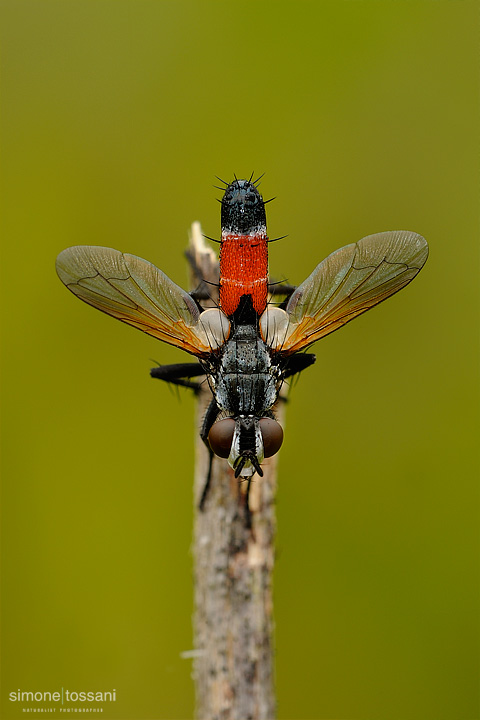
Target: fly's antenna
x,y
239,465
256,465
257,181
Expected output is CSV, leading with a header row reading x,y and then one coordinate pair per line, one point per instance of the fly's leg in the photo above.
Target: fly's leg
x,y
210,417
176,374
296,363
201,293
293,366
282,288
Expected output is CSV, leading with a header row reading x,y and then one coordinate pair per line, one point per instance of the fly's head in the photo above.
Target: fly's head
x,y
243,209
246,441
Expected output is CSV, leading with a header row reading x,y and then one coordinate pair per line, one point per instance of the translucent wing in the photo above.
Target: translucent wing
x,y
136,292
349,282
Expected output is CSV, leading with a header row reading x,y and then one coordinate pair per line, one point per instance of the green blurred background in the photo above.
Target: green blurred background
x,y
117,114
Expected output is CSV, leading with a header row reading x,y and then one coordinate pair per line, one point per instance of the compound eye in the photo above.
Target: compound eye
x,y
272,434
220,437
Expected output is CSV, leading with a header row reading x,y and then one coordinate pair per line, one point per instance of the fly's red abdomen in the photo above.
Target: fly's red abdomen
x,y
243,249
243,271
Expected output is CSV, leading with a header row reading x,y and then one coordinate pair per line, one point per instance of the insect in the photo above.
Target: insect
x,y
248,345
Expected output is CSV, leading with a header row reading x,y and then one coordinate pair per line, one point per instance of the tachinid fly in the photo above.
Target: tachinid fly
x,y
248,345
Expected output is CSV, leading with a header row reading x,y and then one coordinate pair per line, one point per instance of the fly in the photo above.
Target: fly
x,y
249,345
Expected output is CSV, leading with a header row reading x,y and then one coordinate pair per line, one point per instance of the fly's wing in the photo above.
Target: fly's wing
x,y
136,292
349,282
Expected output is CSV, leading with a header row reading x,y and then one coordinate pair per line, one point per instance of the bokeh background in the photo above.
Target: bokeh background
x,y
117,114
